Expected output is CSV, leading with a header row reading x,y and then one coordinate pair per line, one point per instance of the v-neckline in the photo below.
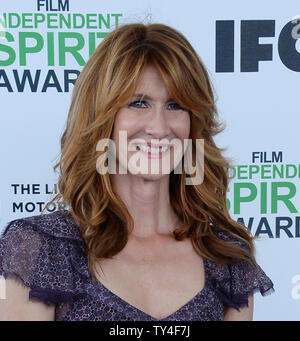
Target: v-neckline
x,y
122,305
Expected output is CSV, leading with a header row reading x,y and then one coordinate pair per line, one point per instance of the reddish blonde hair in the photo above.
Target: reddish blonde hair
x,y
106,83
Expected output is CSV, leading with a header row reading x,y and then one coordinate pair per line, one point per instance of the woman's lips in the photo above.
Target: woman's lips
x,y
153,155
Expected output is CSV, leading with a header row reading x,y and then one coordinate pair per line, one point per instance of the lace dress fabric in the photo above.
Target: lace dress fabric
x,y
45,254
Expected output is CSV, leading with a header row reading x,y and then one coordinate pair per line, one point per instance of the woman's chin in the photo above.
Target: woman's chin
x,y
151,177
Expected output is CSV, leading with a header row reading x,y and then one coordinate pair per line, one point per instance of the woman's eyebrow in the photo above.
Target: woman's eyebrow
x,y
149,97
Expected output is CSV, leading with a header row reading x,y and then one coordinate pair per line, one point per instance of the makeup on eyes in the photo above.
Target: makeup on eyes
x,y
139,98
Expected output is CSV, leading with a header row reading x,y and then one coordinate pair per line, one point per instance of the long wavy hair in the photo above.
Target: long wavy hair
x,y
106,83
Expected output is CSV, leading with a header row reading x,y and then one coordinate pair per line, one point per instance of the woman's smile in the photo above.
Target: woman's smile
x,y
153,152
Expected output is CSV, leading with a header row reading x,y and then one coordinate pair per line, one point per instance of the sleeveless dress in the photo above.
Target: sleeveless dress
x,y
45,253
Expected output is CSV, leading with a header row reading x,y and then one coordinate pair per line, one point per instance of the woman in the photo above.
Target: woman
x,y
135,244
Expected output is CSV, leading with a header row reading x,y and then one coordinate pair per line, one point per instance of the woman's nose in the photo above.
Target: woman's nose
x,y
158,124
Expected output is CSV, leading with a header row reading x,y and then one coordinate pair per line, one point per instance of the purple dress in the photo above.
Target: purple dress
x,y
45,253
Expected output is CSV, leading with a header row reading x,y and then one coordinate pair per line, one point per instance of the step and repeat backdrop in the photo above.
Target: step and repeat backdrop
x,y
252,52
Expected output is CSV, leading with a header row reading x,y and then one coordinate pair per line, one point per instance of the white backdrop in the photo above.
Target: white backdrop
x,y
254,64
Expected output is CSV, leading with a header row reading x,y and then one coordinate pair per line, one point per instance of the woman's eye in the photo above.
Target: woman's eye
x,y
136,104
177,106
141,104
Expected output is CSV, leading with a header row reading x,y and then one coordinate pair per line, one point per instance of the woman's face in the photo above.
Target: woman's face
x,y
154,129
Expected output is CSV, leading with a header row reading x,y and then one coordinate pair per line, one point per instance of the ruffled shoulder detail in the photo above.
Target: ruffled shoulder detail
x,y
233,283
45,253
226,236
59,224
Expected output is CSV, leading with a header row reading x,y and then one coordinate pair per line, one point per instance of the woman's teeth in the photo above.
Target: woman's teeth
x,y
152,150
